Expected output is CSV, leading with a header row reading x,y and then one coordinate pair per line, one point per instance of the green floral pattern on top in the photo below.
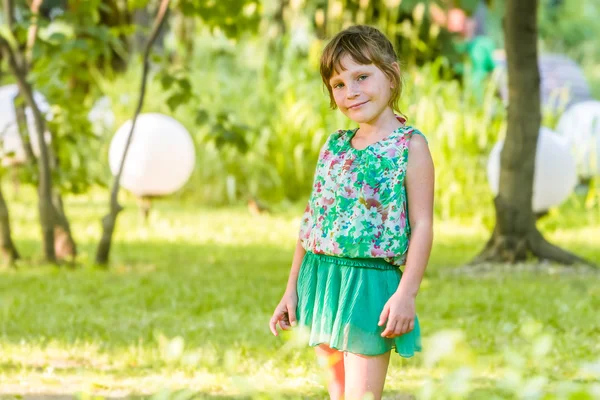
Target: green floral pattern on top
x,y
358,206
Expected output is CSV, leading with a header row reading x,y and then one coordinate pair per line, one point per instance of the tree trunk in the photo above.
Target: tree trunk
x,y
9,251
109,220
65,247
64,243
16,65
142,17
32,31
22,128
515,235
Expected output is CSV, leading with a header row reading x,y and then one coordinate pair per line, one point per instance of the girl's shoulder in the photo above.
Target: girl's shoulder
x,y
410,131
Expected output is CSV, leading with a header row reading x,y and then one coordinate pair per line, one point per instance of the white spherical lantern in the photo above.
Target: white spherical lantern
x,y
160,159
12,150
562,81
102,117
555,171
580,125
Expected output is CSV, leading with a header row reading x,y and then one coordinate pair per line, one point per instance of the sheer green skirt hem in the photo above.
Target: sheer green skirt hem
x,y
340,301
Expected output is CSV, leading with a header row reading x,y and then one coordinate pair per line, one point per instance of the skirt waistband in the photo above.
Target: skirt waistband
x,y
374,263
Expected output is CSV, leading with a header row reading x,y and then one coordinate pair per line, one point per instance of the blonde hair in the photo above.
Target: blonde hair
x,y
365,45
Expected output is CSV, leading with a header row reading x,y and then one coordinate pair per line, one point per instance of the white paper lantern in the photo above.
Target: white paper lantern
x,y
102,116
12,150
562,81
160,159
555,171
580,125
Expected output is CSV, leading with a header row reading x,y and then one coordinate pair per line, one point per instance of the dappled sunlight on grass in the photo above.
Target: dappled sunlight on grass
x,y
186,301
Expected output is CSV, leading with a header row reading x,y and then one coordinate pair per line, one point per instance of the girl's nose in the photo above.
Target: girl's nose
x,y
352,92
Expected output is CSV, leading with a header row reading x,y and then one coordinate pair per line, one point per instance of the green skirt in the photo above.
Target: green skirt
x,y
340,300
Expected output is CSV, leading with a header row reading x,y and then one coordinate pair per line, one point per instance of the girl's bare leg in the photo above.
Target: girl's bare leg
x,y
333,362
365,375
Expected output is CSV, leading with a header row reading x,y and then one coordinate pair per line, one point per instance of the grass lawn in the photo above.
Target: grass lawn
x,y
186,302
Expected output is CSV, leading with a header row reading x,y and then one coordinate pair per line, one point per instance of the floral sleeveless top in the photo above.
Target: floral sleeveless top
x,y
358,206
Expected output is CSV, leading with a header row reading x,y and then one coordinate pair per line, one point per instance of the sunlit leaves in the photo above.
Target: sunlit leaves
x,y
233,17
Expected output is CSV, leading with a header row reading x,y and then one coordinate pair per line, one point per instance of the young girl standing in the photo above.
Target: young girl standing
x,y
370,212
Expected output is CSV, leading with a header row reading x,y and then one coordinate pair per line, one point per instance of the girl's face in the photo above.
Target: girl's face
x,y
362,92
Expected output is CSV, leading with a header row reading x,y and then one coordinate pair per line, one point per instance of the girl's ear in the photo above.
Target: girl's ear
x,y
396,67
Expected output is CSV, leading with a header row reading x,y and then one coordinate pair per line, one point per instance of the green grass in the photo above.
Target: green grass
x,y
211,277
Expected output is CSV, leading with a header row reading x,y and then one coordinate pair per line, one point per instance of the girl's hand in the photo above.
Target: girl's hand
x,y
285,312
399,311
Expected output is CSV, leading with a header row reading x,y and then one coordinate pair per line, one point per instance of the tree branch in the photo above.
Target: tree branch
x,y
23,129
9,11
160,18
109,220
33,29
47,214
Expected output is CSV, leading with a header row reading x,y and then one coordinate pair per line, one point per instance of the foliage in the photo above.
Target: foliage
x,y
570,27
187,302
277,113
65,69
232,17
259,122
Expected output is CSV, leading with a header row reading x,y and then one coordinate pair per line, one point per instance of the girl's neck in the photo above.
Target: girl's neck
x,y
385,123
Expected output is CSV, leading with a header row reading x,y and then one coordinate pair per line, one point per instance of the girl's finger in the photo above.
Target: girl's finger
x,y
277,316
284,321
411,325
384,315
396,329
283,325
291,310
389,328
402,328
273,324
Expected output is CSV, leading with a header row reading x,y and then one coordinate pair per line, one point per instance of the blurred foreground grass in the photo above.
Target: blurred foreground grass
x,y
186,302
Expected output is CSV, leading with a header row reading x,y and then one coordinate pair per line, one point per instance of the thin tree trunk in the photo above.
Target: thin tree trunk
x,y
64,244
109,220
515,235
7,246
33,28
17,66
22,127
65,247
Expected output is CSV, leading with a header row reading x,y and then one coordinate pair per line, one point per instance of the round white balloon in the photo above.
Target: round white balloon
x,y
12,150
580,125
562,81
555,171
160,159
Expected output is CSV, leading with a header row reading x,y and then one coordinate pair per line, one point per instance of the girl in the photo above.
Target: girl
x,y
372,196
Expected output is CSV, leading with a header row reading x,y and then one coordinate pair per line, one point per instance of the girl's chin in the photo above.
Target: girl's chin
x,y
359,118
355,114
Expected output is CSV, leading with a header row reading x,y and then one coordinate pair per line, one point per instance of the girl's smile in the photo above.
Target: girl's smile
x,y
355,106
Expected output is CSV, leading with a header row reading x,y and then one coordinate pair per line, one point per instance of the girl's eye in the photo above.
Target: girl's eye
x,y
338,85
362,77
